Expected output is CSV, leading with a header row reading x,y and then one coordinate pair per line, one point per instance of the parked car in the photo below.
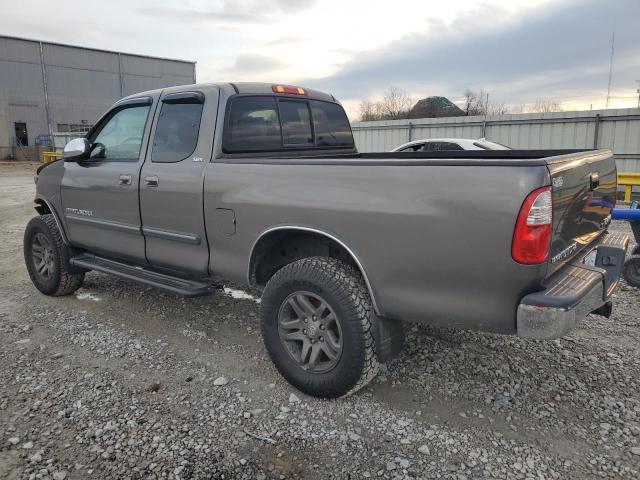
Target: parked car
x,y
262,184
448,145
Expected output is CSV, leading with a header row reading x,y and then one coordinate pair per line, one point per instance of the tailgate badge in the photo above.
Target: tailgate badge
x,y
558,181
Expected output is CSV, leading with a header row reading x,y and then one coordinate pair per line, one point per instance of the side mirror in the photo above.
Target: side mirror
x,y
77,149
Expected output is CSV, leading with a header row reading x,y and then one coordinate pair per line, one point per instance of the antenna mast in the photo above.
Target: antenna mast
x,y
613,43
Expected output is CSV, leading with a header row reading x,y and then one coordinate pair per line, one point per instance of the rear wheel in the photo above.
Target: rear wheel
x,y
47,258
631,271
316,327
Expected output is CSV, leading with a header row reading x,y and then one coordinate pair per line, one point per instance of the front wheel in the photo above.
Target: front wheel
x,y
315,319
47,258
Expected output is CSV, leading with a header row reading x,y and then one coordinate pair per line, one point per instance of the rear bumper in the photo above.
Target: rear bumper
x,y
573,292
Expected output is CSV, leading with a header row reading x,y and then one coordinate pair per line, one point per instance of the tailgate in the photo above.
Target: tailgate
x,y
583,190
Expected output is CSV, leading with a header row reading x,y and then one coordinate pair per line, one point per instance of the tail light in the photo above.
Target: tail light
x,y
532,235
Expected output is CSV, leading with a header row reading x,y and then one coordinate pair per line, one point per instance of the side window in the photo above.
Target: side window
x,y
452,147
331,125
253,125
176,132
413,148
120,138
296,123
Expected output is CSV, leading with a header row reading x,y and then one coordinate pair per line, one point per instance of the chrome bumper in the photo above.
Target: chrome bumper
x,y
573,292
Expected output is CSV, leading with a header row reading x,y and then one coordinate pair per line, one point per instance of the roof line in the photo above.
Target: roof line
x,y
192,62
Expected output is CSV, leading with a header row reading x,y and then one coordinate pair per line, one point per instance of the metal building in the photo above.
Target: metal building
x,y
615,129
47,88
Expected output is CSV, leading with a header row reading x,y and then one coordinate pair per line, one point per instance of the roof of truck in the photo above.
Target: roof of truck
x,y
244,88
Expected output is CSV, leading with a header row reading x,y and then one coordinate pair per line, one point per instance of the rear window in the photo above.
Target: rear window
x,y
253,125
176,132
296,123
331,124
271,123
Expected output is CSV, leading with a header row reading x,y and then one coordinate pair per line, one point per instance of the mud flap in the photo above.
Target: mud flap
x,y
388,336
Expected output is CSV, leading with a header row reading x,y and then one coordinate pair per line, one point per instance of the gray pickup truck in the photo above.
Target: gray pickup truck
x,y
262,185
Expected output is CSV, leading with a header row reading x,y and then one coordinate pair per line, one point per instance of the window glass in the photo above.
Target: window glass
x,y
331,125
443,146
121,136
253,125
176,133
296,124
414,148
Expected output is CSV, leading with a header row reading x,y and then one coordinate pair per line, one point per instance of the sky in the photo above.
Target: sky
x,y
517,51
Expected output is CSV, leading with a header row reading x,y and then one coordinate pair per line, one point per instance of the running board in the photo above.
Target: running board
x,y
178,286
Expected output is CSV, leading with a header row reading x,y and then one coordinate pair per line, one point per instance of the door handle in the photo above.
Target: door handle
x,y
124,180
594,181
151,181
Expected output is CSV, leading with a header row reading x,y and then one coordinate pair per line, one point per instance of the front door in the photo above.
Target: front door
x,y
100,194
171,182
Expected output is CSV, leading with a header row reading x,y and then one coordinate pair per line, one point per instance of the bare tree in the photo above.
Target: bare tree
x,y
477,103
395,104
542,105
369,111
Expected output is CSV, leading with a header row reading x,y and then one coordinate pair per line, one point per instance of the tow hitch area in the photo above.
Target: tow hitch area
x,y
573,292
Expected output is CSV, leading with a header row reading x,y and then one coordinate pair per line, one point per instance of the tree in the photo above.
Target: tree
x,y
544,106
395,104
477,103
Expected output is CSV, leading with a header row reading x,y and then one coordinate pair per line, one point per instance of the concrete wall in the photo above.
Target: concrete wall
x,y
73,85
618,130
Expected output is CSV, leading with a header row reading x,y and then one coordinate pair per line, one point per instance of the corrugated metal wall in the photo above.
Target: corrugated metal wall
x,y
618,130
73,85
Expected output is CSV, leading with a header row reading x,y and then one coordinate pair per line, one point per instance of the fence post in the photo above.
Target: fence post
x,y
596,131
410,131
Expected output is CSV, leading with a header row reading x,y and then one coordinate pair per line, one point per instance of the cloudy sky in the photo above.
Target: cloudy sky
x,y
517,50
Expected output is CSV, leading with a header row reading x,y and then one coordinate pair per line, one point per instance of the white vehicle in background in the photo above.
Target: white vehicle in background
x,y
449,144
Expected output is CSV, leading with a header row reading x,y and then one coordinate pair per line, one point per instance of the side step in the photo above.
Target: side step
x,y
178,286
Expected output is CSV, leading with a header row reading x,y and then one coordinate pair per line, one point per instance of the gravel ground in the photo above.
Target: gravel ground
x,y
123,381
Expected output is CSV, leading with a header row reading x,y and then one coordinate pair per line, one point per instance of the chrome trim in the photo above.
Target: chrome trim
x,y
175,236
328,235
108,224
55,217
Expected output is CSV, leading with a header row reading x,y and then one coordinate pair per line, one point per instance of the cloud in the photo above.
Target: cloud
x,y
558,48
249,63
233,11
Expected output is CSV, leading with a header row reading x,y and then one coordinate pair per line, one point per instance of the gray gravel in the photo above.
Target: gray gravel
x,y
122,381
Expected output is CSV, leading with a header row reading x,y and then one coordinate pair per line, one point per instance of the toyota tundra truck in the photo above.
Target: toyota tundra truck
x,y
262,185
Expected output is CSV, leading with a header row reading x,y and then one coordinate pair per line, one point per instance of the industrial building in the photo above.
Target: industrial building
x,y
49,88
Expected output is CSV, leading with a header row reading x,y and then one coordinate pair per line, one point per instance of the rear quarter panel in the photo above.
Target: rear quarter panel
x,y
434,241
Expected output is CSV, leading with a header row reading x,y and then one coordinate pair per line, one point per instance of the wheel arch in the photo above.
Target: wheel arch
x,y
44,207
293,242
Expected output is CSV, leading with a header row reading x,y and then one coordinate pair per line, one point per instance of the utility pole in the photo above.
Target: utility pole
x,y
613,43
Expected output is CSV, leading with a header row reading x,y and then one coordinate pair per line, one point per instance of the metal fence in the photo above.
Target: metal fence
x,y
616,129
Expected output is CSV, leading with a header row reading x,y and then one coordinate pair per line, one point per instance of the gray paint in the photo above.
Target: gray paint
x,y
45,84
431,237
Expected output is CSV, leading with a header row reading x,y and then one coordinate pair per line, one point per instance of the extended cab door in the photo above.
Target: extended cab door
x,y
171,183
100,194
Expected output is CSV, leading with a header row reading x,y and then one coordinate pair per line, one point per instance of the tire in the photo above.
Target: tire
x,y
47,258
344,319
631,272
